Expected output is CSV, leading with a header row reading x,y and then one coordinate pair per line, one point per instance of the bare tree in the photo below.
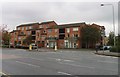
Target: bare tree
x,y
4,35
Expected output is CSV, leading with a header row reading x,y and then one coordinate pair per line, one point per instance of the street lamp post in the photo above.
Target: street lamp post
x,y
113,19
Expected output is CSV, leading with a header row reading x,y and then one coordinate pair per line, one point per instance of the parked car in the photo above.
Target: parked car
x,y
18,46
105,47
34,46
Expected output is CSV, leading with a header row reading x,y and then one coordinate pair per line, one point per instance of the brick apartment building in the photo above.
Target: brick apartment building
x,y
49,34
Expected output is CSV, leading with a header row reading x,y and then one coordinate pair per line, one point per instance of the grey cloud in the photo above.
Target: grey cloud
x,y
61,12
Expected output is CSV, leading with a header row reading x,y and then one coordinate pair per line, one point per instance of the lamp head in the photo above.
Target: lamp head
x,y
102,4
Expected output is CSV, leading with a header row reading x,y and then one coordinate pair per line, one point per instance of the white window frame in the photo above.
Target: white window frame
x,y
40,26
22,28
18,28
75,29
68,30
49,30
46,26
30,27
28,33
19,38
56,35
49,36
56,30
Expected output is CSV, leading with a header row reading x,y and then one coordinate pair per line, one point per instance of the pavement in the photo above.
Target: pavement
x,y
61,62
108,53
101,52
59,50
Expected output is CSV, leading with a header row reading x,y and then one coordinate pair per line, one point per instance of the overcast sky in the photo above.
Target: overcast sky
x,y
16,13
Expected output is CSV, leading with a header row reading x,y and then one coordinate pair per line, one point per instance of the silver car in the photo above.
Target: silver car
x,y
34,46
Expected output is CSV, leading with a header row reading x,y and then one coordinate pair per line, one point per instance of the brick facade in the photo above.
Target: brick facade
x,y
49,34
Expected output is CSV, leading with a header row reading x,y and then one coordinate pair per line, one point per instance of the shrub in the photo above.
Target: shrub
x,y
5,46
115,49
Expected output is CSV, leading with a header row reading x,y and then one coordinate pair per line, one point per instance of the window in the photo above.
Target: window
x,y
68,35
75,45
15,33
22,28
75,29
43,42
27,28
68,30
40,26
49,35
56,35
33,37
38,42
46,26
62,30
49,30
61,36
18,28
75,35
22,32
19,42
30,27
56,30
19,38
33,32
28,33
38,34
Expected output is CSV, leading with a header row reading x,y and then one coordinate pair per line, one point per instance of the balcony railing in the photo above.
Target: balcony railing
x,y
71,38
44,33
21,34
51,38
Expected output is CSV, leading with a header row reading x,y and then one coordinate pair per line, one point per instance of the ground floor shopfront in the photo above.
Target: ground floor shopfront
x,y
51,44
71,44
62,44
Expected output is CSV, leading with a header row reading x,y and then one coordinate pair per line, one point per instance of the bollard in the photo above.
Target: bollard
x,y
30,47
55,48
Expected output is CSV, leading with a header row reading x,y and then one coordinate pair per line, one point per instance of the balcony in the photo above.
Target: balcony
x,y
43,33
51,38
72,38
61,33
21,34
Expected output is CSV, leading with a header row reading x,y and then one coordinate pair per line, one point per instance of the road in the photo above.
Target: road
x,y
63,62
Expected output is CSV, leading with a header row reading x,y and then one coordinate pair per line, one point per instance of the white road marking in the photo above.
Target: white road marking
x,y
58,59
50,52
6,75
2,73
69,60
77,65
108,62
37,59
63,73
27,64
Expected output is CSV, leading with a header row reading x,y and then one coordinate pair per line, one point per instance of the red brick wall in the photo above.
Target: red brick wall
x,y
60,43
12,38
